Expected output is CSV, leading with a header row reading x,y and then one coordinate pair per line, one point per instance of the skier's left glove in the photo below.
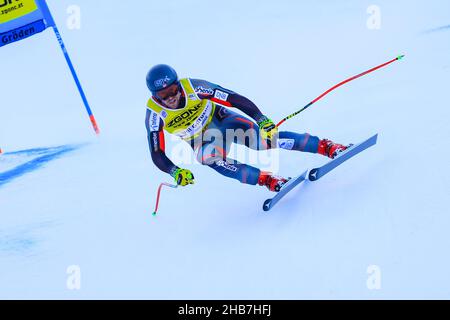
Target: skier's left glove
x,y
268,130
183,177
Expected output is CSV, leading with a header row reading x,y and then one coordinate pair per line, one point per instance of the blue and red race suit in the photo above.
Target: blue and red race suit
x,y
214,152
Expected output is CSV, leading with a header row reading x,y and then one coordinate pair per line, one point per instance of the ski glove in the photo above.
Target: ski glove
x,y
268,130
183,177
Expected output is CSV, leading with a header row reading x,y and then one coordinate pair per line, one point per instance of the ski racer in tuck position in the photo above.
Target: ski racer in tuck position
x,y
192,109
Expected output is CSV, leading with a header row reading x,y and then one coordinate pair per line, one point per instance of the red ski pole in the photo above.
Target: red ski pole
x,y
337,86
159,194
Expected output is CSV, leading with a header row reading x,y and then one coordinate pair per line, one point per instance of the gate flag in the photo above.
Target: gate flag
x,y
21,19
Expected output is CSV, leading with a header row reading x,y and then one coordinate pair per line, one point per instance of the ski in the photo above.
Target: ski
x,y
291,184
317,173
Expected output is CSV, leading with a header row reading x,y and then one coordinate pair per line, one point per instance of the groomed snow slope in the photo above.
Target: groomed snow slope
x,y
92,206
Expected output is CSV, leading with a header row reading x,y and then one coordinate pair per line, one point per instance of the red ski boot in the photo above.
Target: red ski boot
x,y
273,183
330,149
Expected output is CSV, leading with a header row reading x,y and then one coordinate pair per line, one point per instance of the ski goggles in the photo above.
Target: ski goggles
x,y
168,92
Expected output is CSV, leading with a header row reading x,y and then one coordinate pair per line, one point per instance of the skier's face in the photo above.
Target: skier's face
x,y
170,96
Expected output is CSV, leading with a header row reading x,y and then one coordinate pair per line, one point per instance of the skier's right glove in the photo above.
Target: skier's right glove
x,y
183,177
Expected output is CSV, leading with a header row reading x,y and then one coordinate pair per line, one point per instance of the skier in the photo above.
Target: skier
x,y
190,108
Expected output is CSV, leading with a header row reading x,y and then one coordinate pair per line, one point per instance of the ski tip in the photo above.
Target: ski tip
x,y
400,57
154,214
374,139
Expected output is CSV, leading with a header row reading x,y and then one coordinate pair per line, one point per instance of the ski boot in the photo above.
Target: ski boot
x,y
273,183
330,149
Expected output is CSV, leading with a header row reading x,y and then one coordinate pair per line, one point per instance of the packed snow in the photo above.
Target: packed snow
x,y
375,228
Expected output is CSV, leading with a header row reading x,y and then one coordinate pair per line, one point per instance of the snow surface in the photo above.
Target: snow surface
x,y
91,207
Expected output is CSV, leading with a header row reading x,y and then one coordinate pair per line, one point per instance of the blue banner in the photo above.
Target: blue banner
x,y
20,19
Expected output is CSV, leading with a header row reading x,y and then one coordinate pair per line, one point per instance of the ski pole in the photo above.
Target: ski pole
x,y
159,194
337,86
77,81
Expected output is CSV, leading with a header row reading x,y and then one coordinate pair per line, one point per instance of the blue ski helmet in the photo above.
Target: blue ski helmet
x,y
160,77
